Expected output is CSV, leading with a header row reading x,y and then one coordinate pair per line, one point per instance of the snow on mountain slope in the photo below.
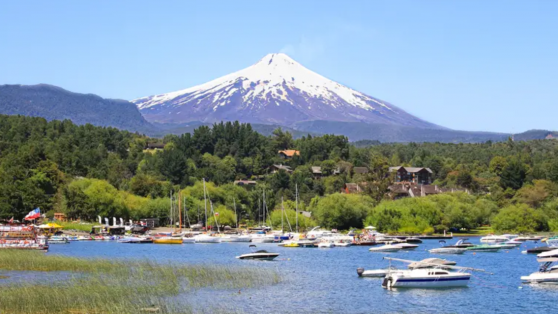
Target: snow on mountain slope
x,y
275,90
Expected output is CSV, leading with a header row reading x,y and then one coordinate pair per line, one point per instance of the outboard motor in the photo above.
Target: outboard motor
x,y
360,271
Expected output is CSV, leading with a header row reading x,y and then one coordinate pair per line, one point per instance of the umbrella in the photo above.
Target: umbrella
x,y
370,228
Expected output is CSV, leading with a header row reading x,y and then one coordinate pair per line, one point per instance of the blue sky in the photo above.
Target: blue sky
x,y
469,65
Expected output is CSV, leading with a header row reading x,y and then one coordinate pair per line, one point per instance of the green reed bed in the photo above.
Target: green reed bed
x,y
104,286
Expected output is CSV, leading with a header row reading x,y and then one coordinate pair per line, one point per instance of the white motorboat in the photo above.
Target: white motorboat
x,y
448,250
386,248
547,274
58,240
236,238
494,239
259,255
188,240
504,245
514,242
205,238
326,243
552,241
84,238
343,241
426,278
436,277
407,246
262,238
529,238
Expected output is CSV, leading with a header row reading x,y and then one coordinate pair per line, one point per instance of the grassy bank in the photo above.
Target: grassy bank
x,y
106,286
72,226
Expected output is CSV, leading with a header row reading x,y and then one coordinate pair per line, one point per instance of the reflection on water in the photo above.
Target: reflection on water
x,y
325,280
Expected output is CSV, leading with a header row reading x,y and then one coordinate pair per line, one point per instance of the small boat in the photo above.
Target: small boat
x,y
448,250
343,243
494,239
435,277
167,240
484,248
514,242
426,278
236,238
138,240
262,238
58,240
407,246
188,240
414,240
84,238
504,246
547,274
259,255
205,238
529,238
386,248
458,248
289,244
538,250
307,243
326,244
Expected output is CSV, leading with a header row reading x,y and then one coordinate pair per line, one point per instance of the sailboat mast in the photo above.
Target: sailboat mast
x,y
170,209
296,206
282,214
179,212
235,214
205,204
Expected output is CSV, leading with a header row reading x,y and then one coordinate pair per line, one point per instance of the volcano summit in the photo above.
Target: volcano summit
x,y
275,90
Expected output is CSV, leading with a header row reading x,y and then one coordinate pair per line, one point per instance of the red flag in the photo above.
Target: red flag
x,y
11,220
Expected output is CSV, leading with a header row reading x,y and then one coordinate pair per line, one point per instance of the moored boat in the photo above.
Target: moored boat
x,y
167,240
58,240
259,255
484,248
386,248
435,277
548,273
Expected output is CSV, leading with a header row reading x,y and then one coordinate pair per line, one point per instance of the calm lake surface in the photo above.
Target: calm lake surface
x,y
325,280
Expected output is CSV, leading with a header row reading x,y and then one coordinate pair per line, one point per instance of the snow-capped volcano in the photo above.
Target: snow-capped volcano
x,y
275,90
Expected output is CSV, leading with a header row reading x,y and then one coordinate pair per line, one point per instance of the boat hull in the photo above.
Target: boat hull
x,y
424,282
167,241
259,256
448,251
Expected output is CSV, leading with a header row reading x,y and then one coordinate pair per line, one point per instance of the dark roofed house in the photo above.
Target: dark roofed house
x,y
154,147
288,153
416,175
317,172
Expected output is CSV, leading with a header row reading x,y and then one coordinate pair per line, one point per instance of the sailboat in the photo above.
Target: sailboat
x,y
235,237
206,238
170,239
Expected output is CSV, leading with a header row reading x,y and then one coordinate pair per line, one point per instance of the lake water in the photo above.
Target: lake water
x,y
325,280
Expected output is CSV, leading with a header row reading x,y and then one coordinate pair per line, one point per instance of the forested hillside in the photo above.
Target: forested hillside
x,y
87,171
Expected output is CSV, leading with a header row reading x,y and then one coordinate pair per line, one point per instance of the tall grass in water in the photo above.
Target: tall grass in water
x,y
104,286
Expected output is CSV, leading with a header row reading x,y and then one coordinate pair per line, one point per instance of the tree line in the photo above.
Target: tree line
x,y
85,171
